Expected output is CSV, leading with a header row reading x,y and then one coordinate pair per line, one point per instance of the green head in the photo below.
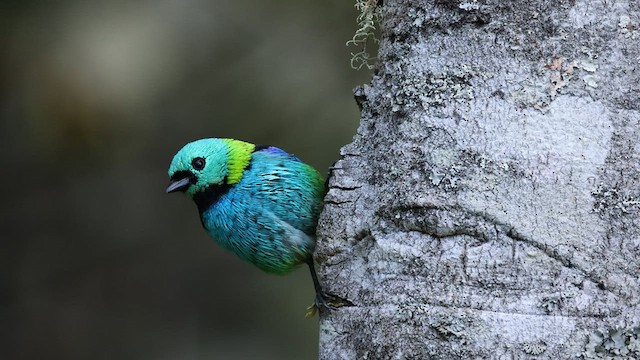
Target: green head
x,y
207,163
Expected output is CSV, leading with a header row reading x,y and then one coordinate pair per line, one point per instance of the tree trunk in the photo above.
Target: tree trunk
x,y
489,204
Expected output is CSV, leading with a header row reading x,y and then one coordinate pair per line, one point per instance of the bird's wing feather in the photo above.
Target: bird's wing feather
x,y
289,188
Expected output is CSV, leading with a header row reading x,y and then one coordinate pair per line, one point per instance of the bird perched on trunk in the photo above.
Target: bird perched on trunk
x,y
258,201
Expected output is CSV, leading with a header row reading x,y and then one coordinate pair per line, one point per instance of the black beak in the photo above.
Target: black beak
x,y
178,185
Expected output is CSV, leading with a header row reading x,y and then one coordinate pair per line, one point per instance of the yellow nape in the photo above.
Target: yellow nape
x,y
239,157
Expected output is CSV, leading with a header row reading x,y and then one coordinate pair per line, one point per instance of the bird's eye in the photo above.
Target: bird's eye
x,y
198,163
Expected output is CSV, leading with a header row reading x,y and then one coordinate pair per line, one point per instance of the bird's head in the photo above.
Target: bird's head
x,y
208,164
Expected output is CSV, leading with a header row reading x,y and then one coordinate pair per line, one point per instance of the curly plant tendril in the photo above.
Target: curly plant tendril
x,y
367,21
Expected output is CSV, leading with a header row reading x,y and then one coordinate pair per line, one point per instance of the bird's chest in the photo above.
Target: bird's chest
x,y
240,219
226,216
258,231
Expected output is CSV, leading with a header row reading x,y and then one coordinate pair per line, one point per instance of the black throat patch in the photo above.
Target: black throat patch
x,y
211,195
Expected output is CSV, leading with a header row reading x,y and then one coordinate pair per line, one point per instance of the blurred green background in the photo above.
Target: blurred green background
x,y
95,98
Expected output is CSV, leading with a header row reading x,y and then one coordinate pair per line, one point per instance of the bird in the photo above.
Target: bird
x,y
258,201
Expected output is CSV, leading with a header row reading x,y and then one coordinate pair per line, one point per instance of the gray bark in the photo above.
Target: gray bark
x,y
489,204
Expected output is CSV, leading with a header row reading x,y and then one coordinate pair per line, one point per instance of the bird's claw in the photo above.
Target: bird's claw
x,y
326,301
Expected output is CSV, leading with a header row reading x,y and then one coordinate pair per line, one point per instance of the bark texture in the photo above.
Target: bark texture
x,y
489,204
